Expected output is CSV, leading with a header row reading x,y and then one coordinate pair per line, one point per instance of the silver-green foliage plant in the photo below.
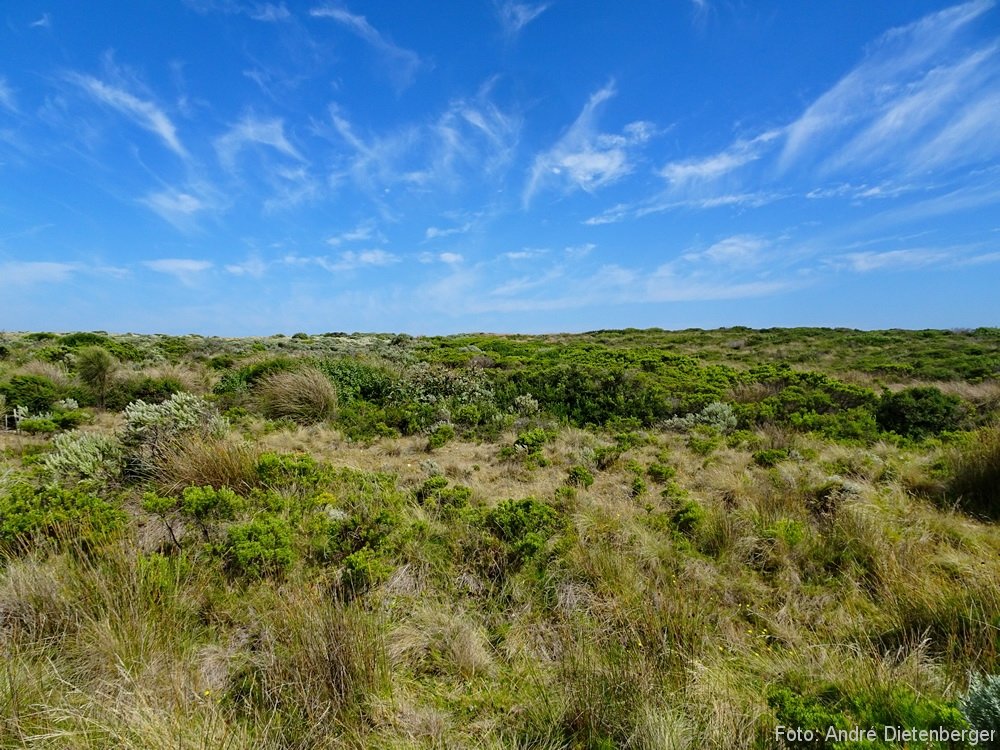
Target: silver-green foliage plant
x,y
981,704
83,455
717,415
151,430
182,412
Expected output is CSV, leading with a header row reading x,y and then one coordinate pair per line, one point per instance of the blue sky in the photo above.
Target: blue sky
x,y
236,167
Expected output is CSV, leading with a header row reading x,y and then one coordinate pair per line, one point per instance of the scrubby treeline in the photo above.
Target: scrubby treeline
x,y
639,539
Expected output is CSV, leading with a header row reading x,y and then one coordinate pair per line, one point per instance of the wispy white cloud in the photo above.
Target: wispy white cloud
x,y
736,251
363,232
889,260
584,158
143,113
252,266
175,206
290,187
472,140
669,201
434,233
446,258
403,63
893,83
7,96
349,260
44,22
683,174
24,273
185,270
526,253
254,131
514,16
269,12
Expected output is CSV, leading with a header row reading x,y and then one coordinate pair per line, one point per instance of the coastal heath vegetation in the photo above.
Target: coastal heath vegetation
x,y
635,539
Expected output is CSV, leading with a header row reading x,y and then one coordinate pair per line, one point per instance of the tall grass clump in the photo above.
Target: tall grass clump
x,y
975,474
305,396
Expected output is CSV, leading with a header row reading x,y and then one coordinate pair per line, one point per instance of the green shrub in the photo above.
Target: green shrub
x,y
151,431
96,368
260,548
660,472
84,455
524,525
363,422
770,457
363,569
36,393
688,517
440,435
919,412
828,707
276,470
527,447
703,440
579,476
27,513
37,426
123,391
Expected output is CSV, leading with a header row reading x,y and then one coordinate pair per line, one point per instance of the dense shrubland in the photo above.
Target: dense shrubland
x,y
639,539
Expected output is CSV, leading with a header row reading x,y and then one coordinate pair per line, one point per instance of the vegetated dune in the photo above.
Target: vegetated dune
x,y
643,539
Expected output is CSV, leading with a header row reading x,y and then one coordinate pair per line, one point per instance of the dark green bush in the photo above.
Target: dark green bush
x,y
659,472
524,525
688,517
919,412
34,392
127,390
770,457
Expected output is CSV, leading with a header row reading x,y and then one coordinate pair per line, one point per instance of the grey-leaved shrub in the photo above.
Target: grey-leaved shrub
x,y
152,431
981,705
83,455
717,415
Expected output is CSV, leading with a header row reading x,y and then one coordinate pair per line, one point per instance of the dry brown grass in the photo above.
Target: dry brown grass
x,y
305,396
197,461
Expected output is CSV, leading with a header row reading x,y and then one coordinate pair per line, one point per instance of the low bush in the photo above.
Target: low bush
x,y
262,547
440,435
770,457
84,455
524,525
579,476
28,513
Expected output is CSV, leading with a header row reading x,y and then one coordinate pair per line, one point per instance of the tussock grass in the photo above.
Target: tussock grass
x,y
975,474
303,395
197,461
